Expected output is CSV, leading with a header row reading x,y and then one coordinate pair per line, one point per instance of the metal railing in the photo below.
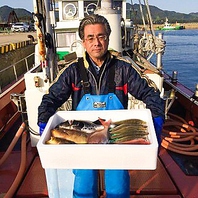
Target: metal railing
x,y
14,72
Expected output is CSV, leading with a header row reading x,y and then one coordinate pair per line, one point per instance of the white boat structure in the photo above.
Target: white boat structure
x,y
58,43
169,26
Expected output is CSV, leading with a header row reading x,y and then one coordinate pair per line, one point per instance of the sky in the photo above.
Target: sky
x,y
182,6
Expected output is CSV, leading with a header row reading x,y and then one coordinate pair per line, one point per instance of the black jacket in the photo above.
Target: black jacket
x,y
127,79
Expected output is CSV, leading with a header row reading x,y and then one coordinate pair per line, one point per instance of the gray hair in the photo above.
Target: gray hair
x,y
93,19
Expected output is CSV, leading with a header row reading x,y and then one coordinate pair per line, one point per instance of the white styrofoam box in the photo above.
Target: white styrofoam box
x,y
99,156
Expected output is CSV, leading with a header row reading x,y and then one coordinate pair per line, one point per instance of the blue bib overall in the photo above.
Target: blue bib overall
x,y
117,182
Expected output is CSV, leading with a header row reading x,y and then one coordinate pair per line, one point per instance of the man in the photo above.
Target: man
x,y
100,81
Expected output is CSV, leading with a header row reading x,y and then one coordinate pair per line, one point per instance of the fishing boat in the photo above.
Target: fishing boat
x,y
21,170
168,26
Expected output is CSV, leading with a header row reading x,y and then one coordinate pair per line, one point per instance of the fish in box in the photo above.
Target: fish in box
x,y
131,131
100,156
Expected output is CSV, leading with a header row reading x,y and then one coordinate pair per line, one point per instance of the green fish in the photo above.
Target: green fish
x,y
127,138
130,121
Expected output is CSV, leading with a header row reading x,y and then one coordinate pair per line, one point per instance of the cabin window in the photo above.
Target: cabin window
x,y
70,9
65,39
90,6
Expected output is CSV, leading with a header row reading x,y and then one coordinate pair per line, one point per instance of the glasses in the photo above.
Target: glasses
x,y
101,38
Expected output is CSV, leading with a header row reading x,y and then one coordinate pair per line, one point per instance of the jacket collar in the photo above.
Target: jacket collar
x,y
110,55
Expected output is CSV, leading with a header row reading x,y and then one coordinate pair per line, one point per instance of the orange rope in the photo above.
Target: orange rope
x,y
22,167
182,141
13,143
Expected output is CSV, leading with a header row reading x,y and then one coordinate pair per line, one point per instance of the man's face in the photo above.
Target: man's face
x,y
95,41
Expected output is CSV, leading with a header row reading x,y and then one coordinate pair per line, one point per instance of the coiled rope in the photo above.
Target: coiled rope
x,y
180,137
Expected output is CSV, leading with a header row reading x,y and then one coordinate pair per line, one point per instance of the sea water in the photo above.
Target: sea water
x,y
181,55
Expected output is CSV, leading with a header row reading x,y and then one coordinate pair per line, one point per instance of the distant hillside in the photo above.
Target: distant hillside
x,y
158,15
22,14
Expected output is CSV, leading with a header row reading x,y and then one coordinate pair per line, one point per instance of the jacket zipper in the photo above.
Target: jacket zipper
x,y
98,85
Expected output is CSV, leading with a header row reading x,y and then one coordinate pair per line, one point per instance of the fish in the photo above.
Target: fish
x,y
128,128
129,121
102,136
81,125
102,132
78,137
129,131
128,138
79,132
132,134
136,141
55,140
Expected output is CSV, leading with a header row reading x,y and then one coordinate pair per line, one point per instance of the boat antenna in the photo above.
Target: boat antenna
x,y
149,17
142,15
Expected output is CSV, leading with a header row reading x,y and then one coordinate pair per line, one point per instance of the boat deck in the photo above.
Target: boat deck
x,y
145,183
167,181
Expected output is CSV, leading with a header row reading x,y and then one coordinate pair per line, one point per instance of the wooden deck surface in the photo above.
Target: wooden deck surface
x,y
166,181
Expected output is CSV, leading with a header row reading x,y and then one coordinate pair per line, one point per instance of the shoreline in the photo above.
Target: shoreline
x,y
10,37
186,25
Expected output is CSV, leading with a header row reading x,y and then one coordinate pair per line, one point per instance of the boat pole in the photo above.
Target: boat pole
x,y
159,55
49,22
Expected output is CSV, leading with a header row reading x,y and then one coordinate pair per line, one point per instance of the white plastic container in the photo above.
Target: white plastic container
x,y
59,160
99,156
